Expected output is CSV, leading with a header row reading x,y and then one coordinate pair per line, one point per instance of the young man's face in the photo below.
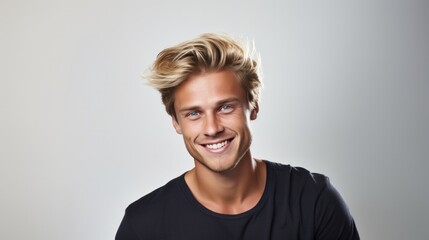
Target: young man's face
x,y
212,115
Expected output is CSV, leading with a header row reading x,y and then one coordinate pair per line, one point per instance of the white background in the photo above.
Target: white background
x,y
82,136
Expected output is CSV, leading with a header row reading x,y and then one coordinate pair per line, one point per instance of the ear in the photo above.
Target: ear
x,y
254,111
176,125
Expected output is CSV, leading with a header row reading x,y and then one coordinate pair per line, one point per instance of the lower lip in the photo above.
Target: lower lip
x,y
219,150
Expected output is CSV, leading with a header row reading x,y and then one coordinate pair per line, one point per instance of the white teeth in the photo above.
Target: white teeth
x,y
217,145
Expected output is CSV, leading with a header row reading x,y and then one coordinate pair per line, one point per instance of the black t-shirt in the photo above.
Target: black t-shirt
x,y
296,204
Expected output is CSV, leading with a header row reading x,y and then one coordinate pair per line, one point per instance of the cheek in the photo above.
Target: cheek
x,y
236,122
188,139
190,132
236,116
189,144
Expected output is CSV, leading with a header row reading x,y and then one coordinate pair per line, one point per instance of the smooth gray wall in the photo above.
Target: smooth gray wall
x,y
82,136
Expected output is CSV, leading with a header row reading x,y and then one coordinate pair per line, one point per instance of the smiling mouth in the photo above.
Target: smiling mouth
x,y
217,146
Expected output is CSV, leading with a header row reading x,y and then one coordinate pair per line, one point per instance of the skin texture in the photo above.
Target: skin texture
x,y
213,116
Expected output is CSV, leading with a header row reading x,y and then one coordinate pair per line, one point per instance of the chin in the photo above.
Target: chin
x,y
219,165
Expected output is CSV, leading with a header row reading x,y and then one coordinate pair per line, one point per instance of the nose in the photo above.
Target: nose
x,y
213,127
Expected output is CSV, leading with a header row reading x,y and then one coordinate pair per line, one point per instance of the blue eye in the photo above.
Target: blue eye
x,y
226,108
193,114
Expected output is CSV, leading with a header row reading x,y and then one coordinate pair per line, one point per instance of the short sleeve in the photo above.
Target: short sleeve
x,y
126,231
332,217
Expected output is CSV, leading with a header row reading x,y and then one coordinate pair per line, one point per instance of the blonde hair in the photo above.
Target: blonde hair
x,y
207,53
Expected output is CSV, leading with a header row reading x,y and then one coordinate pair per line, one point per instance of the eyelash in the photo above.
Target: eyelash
x,y
192,114
227,108
195,114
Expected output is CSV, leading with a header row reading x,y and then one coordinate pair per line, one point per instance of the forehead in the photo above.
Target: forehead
x,y
207,89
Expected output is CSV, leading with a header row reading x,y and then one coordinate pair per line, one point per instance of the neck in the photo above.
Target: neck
x,y
231,192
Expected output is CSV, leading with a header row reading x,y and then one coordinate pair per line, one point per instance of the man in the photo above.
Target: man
x,y
210,87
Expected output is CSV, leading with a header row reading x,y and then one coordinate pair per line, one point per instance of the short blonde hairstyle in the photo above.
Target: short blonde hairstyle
x,y
207,53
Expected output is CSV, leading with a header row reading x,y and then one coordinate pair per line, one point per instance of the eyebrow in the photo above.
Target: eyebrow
x,y
193,108
228,100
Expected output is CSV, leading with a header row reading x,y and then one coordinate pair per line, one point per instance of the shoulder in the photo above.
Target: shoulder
x,y
297,186
143,218
312,197
154,201
297,177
